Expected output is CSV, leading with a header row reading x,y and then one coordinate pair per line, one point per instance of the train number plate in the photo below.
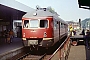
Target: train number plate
x,y
33,42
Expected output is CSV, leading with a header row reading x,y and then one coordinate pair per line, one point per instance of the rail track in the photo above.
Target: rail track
x,y
28,56
39,55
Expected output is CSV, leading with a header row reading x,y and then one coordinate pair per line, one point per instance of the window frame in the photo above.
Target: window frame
x,y
38,23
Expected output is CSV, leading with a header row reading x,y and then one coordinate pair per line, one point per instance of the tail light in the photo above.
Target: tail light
x,y
45,34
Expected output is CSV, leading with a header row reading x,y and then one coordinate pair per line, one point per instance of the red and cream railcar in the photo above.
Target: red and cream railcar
x,y
42,28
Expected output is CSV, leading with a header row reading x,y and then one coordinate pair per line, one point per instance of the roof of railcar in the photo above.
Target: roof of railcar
x,y
42,13
61,20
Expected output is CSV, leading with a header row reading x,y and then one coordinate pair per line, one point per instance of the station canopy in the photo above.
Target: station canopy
x,y
12,10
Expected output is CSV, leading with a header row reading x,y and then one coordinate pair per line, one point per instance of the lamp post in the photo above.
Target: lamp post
x,y
80,23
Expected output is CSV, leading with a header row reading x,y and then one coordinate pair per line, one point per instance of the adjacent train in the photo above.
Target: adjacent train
x,y
42,28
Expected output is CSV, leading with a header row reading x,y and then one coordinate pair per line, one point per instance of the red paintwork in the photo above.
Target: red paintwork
x,y
38,32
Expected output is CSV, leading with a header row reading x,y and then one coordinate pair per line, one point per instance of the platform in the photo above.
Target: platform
x,y
5,47
79,53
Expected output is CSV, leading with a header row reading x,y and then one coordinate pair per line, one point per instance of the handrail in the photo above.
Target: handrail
x,y
65,43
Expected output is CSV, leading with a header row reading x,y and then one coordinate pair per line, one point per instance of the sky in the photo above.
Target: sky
x,y
67,9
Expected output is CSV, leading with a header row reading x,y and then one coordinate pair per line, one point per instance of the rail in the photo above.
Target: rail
x,y
23,56
29,56
63,51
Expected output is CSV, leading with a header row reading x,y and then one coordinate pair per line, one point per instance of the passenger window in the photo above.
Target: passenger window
x,y
62,25
43,23
55,25
26,24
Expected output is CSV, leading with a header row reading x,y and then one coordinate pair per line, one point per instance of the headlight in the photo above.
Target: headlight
x,y
23,38
23,34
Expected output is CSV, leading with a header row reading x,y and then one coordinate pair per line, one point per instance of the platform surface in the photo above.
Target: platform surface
x,y
5,47
79,52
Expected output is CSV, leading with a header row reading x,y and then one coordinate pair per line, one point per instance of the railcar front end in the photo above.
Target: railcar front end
x,y
37,31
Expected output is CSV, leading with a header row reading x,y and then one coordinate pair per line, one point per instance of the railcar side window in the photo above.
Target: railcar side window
x,y
57,27
55,24
62,25
26,24
34,23
43,23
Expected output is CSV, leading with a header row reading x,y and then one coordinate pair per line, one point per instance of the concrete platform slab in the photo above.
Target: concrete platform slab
x,y
77,53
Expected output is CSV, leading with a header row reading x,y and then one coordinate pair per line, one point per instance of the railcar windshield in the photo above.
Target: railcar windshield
x,y
43,23
26,24
35,24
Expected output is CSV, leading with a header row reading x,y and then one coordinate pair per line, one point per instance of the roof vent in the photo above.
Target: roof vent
x,y
34,14
44,9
